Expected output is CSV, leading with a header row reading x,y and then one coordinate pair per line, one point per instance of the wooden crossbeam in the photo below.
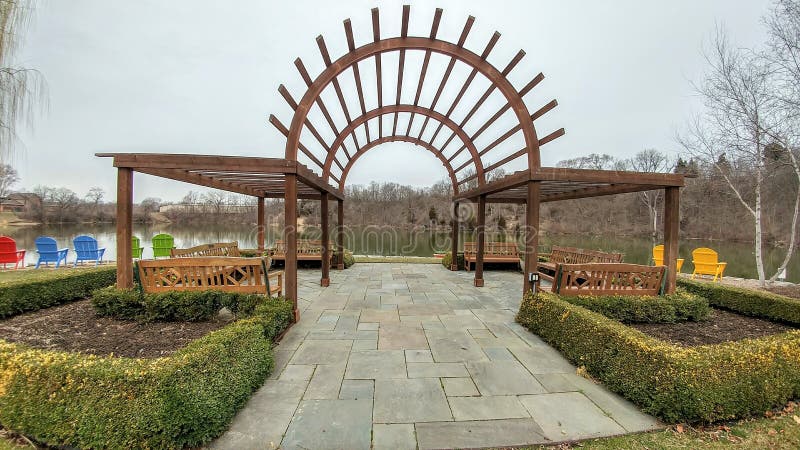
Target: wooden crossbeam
x,y
437,17
401,63
293,104
461,40
320,103
486,51
326,58
376,36
285,131
351,45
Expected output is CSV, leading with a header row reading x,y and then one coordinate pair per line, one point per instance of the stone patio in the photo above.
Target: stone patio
x,y
406,356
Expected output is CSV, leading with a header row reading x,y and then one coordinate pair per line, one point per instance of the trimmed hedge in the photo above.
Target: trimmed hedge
x,y
749,302
681,306
62,287
706,383
447,259
177,306
85,401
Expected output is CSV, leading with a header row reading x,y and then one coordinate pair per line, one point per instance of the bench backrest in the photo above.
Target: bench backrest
x,y
85,246
304,247
46,245
162,244
218,249
605,279
705,259
509,249
571,255
246,275
7,245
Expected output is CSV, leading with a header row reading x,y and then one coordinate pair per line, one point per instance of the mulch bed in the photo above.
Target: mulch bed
x,y
721,326
789,291
75,327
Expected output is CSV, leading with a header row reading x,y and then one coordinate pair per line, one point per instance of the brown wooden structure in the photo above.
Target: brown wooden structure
x,y
493,252
307,250
217,249
244,275
571,255
473,138
608,279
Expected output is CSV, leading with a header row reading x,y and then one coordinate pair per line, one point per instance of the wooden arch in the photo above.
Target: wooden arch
x,y
425,112
411,140
324,155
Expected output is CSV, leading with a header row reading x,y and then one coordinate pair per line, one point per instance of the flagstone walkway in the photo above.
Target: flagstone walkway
x,y
413,356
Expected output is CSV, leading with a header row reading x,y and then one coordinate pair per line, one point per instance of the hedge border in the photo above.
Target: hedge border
x,y
85,401
24,296
749,302
682,306
692,384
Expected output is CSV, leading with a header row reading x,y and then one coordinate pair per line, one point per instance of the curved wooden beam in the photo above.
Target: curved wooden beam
x,y
424,144
496,77
395,109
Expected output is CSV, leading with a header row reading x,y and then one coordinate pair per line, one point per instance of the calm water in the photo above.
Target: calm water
x,y
389,241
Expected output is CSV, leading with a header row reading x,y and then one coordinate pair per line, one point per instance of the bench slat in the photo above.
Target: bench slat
x,y
231,274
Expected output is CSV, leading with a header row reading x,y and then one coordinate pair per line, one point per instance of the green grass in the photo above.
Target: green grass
x,y
780,432
43,274
398,259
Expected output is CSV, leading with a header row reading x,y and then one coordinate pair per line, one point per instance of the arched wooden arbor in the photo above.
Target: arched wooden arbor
x,y
324,140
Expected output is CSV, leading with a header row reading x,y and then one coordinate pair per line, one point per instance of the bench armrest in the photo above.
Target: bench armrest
x,y
279,275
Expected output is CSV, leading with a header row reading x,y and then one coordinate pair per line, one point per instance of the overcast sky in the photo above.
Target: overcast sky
x,y
201,77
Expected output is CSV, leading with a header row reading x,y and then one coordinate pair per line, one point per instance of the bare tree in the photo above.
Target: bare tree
x,y
740,106
650,160
21,89
8,178
95,197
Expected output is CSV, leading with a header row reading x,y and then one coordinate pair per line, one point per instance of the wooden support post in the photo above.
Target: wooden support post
x,y
290,237
326,254
531,235
454,248
340,234
260,231
671,228
124,228
481,241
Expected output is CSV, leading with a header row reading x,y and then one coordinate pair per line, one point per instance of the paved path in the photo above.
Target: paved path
x,y
413,356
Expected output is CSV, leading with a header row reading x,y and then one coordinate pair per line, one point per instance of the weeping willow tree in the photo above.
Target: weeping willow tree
x,y
21,89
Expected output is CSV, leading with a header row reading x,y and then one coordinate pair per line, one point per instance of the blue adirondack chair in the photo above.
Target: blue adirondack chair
x,y
86,249
48,251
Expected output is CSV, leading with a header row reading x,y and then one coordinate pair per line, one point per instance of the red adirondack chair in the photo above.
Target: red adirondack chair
x,y
9,253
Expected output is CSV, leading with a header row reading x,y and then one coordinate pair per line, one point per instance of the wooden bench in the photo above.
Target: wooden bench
x,y
571,255
608,279
231,274
218,249
307,250
493,252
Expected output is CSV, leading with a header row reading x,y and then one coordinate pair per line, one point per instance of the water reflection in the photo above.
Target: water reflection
x,y
389,241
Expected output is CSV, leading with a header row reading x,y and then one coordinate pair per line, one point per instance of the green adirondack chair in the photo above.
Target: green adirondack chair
x,y
162,244
136,248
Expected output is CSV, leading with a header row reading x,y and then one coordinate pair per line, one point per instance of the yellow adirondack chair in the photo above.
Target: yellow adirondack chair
x,y
706,262
658,257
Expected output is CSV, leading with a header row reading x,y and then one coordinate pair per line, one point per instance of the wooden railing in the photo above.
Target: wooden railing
x,y
218,249
608,278
572,255
307,250
493,252
245,275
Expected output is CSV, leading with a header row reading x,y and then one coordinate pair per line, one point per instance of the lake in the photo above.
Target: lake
x,y
389,241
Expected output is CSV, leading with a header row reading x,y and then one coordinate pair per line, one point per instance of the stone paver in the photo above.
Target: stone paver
x,y
410,400
459,387
569,414
414,356
330,424
478,434
398,436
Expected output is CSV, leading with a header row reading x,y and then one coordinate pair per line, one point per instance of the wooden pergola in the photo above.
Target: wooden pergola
x,y
258,177
324,141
